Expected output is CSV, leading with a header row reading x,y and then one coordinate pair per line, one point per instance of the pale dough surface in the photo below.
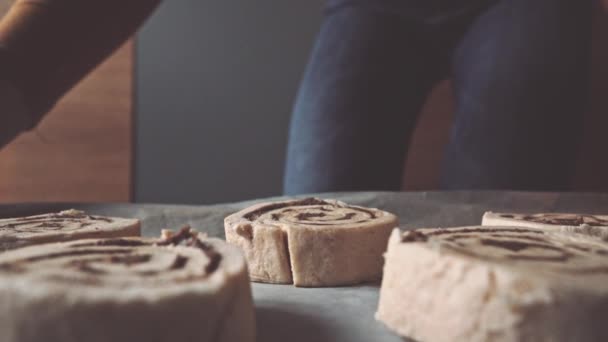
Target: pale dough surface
x,y
592,225
66,225
311,242
485,283
333,314
125,290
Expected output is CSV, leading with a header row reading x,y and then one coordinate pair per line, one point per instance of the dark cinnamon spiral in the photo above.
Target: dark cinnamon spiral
x,y
183,287
311,242
311,211
482,283
68,220
121,262
513,244
565,219
62,226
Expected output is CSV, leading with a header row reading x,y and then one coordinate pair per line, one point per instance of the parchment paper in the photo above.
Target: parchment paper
x,y
344,314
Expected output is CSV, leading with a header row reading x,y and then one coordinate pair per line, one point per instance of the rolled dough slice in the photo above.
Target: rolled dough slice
x,y
594,225
311,242
495,284
66,225
182,288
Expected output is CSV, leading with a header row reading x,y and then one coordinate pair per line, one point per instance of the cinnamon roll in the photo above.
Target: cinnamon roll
x,y
495,284
180,288
62,226
595,225
311,242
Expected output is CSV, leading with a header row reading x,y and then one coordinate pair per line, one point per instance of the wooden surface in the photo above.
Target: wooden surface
x,y
422,167
82,149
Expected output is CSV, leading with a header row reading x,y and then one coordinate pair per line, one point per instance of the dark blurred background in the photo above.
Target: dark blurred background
x,y
195,110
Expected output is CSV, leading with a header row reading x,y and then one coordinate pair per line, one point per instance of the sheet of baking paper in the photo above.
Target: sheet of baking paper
x,y
345,314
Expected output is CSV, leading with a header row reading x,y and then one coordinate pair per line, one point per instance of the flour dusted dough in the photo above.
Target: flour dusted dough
x,y
495,284
182,288
594,225
66,225
311,242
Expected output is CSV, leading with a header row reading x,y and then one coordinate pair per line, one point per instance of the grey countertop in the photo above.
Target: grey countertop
x,y
343,314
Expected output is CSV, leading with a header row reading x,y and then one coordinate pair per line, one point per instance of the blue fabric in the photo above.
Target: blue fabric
x,y
520,74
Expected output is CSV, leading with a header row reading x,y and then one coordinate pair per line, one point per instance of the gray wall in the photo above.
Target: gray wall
x,y
215,82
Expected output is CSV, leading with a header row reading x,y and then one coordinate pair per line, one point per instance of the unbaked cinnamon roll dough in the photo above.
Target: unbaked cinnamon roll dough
x,y
62,226
181,288
311,242
495,284
594,225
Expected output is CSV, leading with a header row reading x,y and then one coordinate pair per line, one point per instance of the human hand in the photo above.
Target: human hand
x,y
14,116
52,45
